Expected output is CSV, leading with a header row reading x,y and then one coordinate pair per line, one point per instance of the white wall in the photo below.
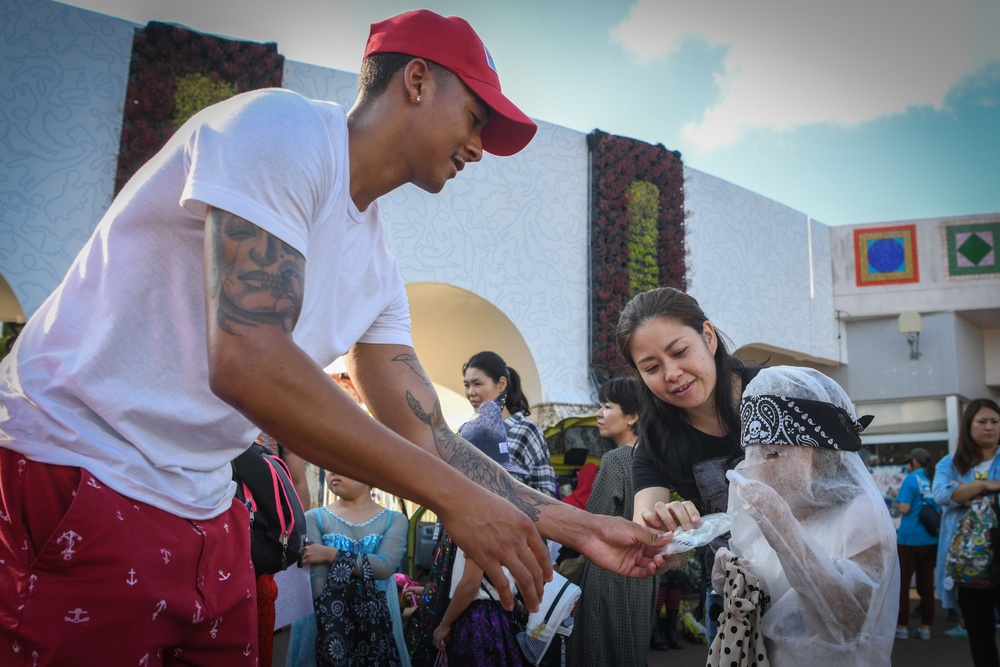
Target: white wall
x,y
750,267
62,81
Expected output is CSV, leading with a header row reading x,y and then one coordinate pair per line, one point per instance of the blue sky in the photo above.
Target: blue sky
x,y
851,112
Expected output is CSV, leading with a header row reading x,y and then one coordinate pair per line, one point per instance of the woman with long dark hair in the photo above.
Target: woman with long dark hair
x,y
487,377
689,430
972,471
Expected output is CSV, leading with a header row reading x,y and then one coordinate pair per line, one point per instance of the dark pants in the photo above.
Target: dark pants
x,y
920,560
979,607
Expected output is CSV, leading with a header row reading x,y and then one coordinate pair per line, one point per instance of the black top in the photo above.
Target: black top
x,y
691,462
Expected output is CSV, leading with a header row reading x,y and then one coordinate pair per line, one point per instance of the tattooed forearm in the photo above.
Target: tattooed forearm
x,y
255,278
468,460
411,360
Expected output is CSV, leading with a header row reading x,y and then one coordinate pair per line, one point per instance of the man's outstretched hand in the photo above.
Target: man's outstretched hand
x,y
625,547
494,533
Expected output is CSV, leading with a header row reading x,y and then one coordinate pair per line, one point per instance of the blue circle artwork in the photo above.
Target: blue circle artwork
x,y
886,255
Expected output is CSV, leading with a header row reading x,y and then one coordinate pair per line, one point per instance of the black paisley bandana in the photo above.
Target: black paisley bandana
x,y
778,420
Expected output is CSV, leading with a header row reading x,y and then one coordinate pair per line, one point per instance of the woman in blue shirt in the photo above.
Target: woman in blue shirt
x,y
973,470
917,548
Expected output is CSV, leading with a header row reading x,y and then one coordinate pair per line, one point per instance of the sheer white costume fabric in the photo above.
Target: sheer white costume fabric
x,y
812,526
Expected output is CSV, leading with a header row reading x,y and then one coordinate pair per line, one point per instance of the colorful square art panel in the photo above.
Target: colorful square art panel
x,y
972,248
886,255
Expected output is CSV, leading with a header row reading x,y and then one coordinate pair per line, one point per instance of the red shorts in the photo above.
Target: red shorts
x,y
90,577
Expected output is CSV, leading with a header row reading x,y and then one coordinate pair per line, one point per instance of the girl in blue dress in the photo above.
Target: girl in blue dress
x,y
353,522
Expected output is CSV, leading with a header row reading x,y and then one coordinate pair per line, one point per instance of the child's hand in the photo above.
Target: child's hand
x,y
441,633
722,557
413,593
317,553
759,499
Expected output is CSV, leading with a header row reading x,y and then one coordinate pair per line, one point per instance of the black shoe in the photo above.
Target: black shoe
x,y
673,634
658,641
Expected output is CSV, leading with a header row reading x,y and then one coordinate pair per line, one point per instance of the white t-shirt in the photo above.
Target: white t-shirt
x,y
111,373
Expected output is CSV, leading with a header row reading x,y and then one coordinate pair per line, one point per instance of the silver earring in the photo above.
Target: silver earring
x,y
418,99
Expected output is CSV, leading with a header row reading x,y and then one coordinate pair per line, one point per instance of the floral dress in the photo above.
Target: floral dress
x,y
383,539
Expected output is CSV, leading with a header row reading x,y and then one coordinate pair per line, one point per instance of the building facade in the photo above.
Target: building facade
x,y
500,259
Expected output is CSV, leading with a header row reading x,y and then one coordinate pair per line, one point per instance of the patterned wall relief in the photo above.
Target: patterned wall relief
x,y
174,73
320,83
637,234
972,248
514,231
762,272
886,255
62,83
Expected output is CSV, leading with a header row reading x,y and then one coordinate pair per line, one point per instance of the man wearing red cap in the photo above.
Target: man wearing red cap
x,y
243,258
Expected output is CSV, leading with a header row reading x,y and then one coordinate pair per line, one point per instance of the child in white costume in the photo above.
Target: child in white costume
x,y
810,524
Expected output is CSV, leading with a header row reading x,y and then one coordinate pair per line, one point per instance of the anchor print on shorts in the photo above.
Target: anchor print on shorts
x,y
70,538
77,616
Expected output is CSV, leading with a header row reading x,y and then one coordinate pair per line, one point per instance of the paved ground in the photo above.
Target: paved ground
x,y
939,651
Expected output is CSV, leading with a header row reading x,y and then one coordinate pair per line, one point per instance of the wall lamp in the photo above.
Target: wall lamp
x,y
910,324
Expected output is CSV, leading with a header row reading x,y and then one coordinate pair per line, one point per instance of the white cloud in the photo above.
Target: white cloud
x,y
792,62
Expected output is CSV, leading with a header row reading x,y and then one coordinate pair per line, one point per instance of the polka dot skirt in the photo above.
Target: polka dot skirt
x,y
739,642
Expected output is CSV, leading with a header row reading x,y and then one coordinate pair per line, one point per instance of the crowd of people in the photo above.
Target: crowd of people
x,y
118,500
809,525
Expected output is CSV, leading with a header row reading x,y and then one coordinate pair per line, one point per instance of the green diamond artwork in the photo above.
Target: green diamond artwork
x,y
972,248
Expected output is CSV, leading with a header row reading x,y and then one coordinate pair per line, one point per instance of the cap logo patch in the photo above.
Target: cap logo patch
x,y
489,60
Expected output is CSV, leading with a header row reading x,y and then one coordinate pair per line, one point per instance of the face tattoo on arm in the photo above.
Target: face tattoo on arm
x,y
255,277
468,460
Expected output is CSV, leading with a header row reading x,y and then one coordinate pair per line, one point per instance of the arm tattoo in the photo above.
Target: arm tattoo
x,y
468,460
411,360
255,278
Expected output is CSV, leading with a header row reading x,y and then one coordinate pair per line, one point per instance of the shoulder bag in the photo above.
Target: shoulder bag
x,y
352,616
929,515
970,561
277,522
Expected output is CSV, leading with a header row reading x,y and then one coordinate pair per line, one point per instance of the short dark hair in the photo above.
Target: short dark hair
x,y
379,68
625,392
495,368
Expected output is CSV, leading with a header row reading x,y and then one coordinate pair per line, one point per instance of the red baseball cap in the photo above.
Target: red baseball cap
x,y
452,43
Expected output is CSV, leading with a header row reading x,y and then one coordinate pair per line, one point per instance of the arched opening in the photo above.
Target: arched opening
x,y
770,355
451,324
10,307
11,317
